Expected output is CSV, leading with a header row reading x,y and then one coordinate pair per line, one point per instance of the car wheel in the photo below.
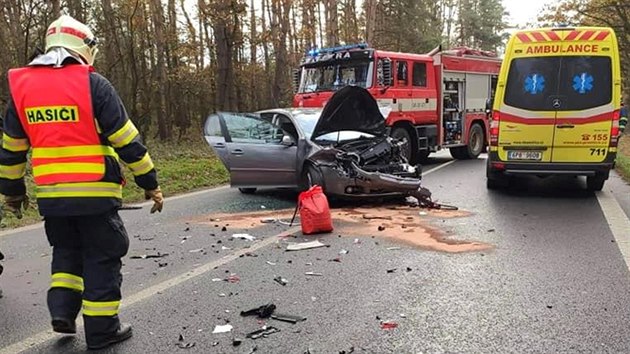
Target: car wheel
x,y
407,149
595,183
247,190
311,176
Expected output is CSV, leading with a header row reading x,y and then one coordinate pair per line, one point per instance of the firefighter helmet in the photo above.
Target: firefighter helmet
x,y
72,35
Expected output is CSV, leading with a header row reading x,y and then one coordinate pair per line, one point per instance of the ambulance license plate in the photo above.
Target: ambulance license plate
x,y
525,155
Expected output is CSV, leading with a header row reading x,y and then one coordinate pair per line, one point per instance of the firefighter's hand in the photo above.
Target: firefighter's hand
x,y
157,197
15,204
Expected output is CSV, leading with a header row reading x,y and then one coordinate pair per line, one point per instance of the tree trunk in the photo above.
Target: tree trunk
x,y
157,15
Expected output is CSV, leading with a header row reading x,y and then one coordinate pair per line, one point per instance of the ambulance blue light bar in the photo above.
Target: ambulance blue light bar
x,y
315,51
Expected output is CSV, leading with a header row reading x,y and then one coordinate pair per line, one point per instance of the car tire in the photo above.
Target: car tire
x,y
311,176
595,183
247,190
408,152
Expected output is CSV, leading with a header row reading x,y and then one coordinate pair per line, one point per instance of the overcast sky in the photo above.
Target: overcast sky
x,y
523,12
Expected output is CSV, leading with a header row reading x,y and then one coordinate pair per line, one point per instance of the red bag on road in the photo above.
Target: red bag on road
x,y
314,211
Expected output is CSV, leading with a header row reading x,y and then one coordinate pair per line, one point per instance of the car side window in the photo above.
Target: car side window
x,y
213,127
419,74
252,129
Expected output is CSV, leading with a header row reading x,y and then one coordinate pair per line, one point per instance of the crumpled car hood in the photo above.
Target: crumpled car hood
x,y
351,108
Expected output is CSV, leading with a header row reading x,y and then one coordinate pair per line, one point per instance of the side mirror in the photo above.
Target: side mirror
x,y
287,141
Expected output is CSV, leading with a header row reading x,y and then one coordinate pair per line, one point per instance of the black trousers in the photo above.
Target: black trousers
x,y
86,262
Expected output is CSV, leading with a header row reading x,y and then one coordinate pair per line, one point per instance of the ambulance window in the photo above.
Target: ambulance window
x,y
401,75
419,74
585,82
531,82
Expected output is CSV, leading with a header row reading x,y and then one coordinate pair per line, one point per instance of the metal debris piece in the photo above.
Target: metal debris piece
x,y
225,248
280,280
263,311
288,318
305,245
247,237
372,217
197,250
344,251
356,241
270,263
222,328
263,332
147,256
314,274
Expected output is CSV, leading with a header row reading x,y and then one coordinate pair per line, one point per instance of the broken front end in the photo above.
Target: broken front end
x,y
368,167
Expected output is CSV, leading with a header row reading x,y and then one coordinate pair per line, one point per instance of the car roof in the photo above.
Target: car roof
x,y
291,111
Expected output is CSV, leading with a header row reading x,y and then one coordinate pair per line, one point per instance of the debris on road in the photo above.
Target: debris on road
x,y
381,228
197,250
393,248
184,345
389,325
374,217
338,260
147,256
263,311
222,328
225,248
233,278
305,245
263,332
280,280
343,251
423,213
391,270
288,318
247,237
162,265
314,274
236,342
270,263
267,220
356,241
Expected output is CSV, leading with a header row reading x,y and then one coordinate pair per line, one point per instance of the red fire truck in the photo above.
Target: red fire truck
x,y
438,100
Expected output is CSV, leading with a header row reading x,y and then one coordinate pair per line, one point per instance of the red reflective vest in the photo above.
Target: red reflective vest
x,y
55,108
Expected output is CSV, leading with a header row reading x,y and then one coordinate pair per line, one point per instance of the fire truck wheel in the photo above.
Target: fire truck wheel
x,y
407,150
474,147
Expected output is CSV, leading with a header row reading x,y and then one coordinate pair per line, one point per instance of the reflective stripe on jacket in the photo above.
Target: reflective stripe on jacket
x,y
54,107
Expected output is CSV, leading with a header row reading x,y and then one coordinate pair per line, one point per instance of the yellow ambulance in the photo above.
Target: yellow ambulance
x,y
557,105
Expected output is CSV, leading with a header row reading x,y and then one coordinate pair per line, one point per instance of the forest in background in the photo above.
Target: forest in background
x,y
175,61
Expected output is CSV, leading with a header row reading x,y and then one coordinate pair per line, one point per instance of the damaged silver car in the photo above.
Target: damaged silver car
x,y
344,147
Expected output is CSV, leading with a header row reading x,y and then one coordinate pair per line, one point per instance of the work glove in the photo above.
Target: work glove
x,y
157,197
15,203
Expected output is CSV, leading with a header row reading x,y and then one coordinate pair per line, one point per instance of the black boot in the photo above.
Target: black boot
x,y
64,325
124,332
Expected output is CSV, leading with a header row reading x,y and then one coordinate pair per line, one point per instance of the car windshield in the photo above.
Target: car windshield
x,y
333,75
307,121
579,82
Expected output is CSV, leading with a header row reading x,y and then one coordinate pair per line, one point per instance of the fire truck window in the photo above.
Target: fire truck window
x,y
401,76
419,74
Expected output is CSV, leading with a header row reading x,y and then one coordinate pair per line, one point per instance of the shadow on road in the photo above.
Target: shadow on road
x,y
550,187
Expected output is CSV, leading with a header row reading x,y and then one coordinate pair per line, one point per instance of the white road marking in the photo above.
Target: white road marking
x,y
142,295
167,199
618,223
42,337
424,173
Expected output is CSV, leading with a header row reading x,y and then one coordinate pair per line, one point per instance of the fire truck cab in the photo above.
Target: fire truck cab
x,y
438,100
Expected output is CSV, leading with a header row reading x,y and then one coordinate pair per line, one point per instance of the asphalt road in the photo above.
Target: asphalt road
x,y
535,269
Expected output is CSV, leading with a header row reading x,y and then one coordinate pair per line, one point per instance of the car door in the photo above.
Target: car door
x,y
252,150
528,112
584,118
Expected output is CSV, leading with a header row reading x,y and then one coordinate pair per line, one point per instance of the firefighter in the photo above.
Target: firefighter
x,y
76,126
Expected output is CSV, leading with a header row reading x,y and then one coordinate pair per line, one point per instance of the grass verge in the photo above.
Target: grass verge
x,y
623,157
182,166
